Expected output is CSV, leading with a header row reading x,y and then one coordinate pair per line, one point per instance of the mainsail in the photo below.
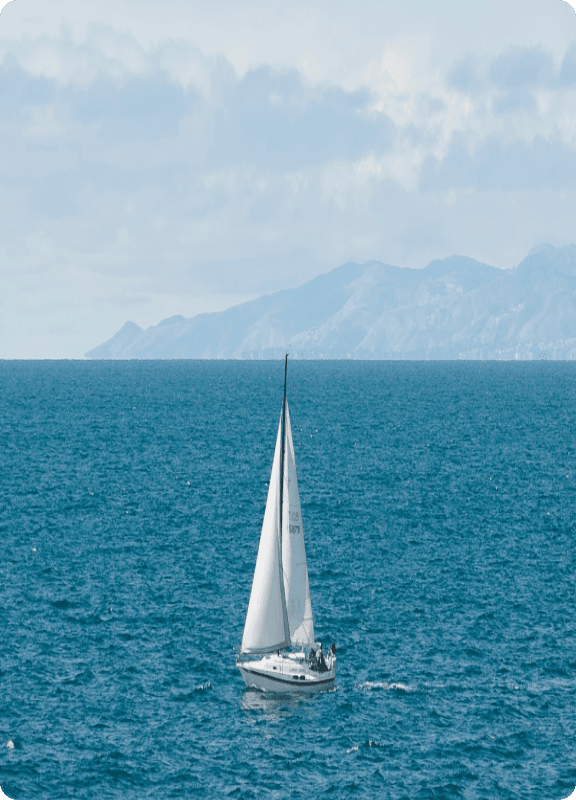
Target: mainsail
x,y
296,586
266,627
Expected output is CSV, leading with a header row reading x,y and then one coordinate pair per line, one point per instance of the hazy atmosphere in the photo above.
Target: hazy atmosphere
x,y
184,157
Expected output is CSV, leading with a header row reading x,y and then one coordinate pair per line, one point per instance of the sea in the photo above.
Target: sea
x,y
438,501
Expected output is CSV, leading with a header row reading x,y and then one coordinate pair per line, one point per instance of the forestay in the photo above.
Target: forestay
x,y
295,568
266,627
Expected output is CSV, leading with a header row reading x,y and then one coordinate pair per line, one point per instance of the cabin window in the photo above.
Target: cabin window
x,y
274,667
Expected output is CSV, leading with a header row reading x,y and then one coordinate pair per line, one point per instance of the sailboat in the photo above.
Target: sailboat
x,y
279,652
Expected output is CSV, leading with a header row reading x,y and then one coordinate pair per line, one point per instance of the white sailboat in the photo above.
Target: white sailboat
x,y
280,609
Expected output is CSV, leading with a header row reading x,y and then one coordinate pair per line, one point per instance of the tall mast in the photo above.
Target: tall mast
x,y
282,462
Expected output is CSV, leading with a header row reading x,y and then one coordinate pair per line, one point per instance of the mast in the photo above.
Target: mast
x,y
282,467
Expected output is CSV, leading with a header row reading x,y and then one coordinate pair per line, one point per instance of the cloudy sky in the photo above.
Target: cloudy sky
x,y
178,157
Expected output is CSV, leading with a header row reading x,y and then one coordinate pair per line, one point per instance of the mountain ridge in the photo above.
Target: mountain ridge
x,y
455,307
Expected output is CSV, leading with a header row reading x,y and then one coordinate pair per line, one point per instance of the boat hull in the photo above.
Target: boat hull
x,y
285,675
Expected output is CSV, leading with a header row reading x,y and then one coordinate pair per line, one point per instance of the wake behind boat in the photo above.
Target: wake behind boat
x,y
280,609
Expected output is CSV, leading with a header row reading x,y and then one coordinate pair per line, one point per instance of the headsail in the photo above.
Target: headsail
x,y
266,627
294,566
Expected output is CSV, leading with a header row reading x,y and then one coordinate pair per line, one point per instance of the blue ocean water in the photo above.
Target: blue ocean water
x,y
438,506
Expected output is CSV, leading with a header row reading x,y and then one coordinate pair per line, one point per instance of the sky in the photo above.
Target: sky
x,y
182,157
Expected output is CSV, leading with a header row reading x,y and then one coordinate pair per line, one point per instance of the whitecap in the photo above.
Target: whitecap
x,y
10,744
396,686
369,743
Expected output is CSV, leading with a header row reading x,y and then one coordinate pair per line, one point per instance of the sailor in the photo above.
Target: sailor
x,y
321,662
331,655
312,658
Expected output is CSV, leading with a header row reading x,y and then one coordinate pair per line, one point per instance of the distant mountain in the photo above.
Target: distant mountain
x,y
115,346
454,308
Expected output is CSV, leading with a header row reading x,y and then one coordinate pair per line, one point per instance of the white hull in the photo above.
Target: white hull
x,y
286,673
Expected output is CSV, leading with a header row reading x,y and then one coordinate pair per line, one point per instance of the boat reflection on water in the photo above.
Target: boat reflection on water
x,y
272,705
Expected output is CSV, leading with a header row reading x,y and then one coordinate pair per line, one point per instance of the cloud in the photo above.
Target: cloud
x,y
567,74
265,117
520,166
522,67
519,99
150,107
463,76
274,121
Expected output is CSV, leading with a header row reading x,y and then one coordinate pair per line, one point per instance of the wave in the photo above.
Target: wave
x,y
394,687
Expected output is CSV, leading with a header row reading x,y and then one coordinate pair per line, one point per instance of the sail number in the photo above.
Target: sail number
x,y
294,517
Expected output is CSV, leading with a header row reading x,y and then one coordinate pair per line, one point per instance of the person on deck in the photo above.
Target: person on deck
x,y
332,654
312,658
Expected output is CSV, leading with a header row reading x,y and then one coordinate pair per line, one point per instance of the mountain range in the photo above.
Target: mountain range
x,y
454,308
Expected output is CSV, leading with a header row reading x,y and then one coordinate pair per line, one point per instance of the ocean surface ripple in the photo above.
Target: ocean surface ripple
x,y
438,506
